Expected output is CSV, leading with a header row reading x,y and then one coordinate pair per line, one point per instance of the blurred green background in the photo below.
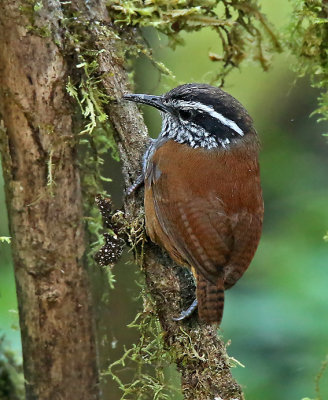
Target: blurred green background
x,y
276,316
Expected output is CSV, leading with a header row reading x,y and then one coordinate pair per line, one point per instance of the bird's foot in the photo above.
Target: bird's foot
x,y
136,184
186,313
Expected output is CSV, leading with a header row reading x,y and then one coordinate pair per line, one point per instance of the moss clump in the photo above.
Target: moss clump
x,y
89,95
308,38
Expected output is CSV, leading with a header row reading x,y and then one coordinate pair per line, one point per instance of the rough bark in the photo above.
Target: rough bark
x,y
200,355
45,211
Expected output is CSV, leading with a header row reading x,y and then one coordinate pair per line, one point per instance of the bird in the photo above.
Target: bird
x,y
203,198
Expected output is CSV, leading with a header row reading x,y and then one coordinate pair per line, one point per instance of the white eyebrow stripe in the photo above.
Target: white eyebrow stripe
x,y
202,107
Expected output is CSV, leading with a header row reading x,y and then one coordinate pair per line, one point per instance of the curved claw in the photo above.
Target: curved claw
x,y
186,313
136,184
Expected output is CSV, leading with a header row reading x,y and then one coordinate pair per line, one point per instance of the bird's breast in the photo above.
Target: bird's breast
x,y
232,174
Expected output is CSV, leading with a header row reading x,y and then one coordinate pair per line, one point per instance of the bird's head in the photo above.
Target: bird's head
x,y
199,115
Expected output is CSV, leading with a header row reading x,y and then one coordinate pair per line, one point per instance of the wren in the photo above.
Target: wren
x,y
203,198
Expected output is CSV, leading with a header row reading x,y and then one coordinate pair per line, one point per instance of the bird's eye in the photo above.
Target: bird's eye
x,y
186,114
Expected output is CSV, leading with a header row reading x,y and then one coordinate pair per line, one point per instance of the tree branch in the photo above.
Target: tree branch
x,y
200,355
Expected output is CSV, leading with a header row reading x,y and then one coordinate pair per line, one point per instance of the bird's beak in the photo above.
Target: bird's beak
x,y
154,101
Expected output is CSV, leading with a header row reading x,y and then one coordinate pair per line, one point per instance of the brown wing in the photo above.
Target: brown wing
x,y
198,227
246,232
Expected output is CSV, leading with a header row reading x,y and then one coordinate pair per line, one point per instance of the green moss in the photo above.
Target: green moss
x,y
89,95
30,10
241,27
37,6
149,359
307,38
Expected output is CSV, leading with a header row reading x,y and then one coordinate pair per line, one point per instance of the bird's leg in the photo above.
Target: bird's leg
x,y
140,179
186,313
136,184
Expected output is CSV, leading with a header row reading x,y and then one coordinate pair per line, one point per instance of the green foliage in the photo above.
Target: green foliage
x,y
239,25
5,239
11,374
308,38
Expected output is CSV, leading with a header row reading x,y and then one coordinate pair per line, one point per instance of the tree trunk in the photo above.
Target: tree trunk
x,y
45,210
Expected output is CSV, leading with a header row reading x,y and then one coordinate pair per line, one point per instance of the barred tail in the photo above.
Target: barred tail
x,y
210,298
